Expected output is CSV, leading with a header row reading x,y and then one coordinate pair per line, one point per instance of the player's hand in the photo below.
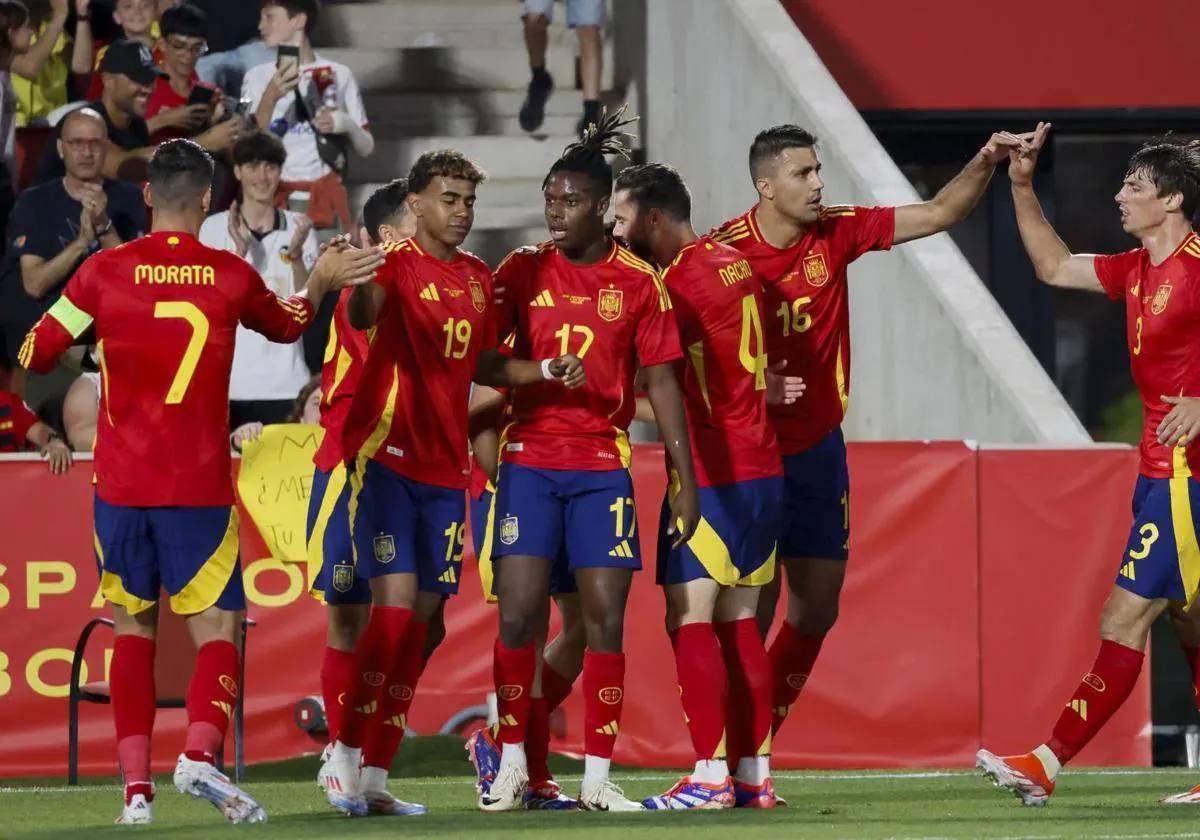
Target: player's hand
x,y
568,369
1022,163
284,81
296,246
239,231
1182,422
783,390
1000,144
685,515
342,240
58,454
245,433
346,266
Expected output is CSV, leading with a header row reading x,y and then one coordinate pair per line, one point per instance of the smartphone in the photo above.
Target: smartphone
x,y
287,56
201,95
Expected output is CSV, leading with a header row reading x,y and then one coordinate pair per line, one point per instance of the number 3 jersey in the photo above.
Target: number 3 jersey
x,y
410,409
165,310
807,308
718,305
615,315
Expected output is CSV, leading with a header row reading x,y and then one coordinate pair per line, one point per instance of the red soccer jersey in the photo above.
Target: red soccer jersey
x,y
1162,305
16,419
614,314
718,306
410,411
341,369
807,308
162,97
165,310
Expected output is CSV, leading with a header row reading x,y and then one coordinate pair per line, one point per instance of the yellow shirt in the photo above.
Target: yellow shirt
x,y
36,98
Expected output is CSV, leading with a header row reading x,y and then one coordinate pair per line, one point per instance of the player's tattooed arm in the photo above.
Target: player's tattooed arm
x,y
955,201
666,397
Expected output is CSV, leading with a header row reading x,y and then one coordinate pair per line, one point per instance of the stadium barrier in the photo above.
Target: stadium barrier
x,y
969,613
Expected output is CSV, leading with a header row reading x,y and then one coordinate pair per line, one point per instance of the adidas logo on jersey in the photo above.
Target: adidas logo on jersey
x,y
622,550
430,292
543,299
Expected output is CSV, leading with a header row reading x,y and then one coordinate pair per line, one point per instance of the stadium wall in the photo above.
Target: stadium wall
x,y
934,355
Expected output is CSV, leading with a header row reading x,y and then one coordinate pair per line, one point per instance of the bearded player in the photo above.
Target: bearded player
x,y
165,309
564,483
801,248
435,332
1159,284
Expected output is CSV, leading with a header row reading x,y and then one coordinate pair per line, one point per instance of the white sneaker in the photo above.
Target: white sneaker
x,y
204,781
139,811
339,779
325,754
507,791
604,795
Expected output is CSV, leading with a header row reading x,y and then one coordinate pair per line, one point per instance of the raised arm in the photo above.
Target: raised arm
x,y
957,199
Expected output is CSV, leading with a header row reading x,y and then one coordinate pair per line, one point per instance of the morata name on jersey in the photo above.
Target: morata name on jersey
x,y
176,275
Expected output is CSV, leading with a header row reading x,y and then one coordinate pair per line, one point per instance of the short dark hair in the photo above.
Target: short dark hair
x,y
386,205
587,156
179,172
312,8
1174,167
13,14
448,163
657,185
259,147
772,142
185,19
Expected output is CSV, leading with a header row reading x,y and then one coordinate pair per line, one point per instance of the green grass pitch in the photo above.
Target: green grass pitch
x,y
930,805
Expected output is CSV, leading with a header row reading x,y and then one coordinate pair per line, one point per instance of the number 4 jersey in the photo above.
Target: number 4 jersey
x,y
165,309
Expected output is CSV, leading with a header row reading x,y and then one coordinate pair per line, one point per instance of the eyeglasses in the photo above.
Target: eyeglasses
x,y
83,144
199,48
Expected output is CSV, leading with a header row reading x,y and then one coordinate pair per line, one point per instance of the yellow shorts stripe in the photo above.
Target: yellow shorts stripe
x,y
1186,547
113,589
203,590
487,572
315,549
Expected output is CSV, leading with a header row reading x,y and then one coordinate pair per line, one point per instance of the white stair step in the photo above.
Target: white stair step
x,y
464,27
500,157
494,244
525,193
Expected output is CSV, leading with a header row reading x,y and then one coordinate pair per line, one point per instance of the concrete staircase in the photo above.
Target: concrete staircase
x,y
452,73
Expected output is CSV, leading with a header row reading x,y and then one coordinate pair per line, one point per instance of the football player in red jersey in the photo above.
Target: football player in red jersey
x,y
564,483
1159,286
164,309
718,574
801,247
434,332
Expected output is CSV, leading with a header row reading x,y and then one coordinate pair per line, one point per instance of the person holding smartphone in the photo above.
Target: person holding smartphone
x,y
180,104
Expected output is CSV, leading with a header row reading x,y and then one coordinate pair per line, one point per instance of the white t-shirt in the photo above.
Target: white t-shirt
x,y
322,83
262,369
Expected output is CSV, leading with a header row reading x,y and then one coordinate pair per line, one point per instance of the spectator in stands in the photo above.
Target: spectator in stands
x,y
41,78
137,21
129,75
15,38
55,226
81,410
586,17
171,112
316,109
235,45
306,408
19,426
282,248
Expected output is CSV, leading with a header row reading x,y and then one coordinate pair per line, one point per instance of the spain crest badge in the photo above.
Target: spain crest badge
x,y
608,304
477,295
1161,296
816,272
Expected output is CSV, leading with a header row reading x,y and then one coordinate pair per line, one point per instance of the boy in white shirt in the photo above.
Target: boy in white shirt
x,y
315,108
282,248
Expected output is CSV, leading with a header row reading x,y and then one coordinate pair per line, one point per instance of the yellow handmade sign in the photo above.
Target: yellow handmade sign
x,y
275,482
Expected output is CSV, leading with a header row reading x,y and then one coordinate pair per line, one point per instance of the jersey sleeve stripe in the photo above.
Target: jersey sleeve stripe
x,y
73,319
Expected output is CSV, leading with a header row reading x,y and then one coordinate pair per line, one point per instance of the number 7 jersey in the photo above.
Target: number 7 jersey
x,y
165,310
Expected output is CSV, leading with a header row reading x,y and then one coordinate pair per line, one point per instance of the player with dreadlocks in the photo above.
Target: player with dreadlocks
x,y
564,483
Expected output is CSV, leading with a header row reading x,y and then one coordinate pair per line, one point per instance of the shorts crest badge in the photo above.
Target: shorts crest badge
x,y
343,577
816,272
385,548
608,304
1161,296
509,530
478,298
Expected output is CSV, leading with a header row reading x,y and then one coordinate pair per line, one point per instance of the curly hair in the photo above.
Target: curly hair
x,y
448,163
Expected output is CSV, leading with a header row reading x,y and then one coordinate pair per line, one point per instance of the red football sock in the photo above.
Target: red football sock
x,y
537,742
512,670
373,659
1100,693
1193,660
336,670
555,687
703,687
387,728
603,697
792,655
131,684
211,696
749,717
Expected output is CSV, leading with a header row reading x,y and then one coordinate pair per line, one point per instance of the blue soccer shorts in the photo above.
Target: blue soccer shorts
x,y
402,526
562,582
735,541
330,553
586,516
816,501
1162,558
192,552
